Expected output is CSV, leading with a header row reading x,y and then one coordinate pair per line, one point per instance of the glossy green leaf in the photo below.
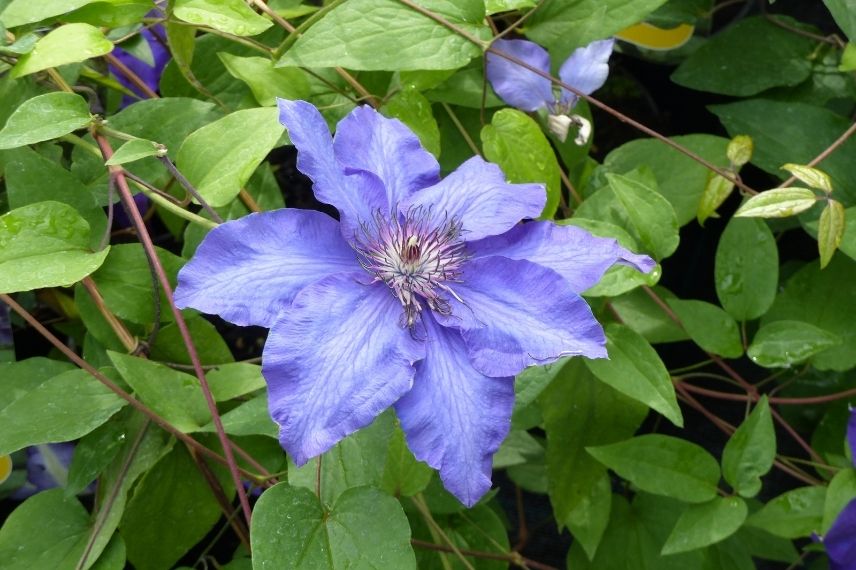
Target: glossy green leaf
x,y
230,16
20,12
210,346
63,408
43,118
516,143
841,490
830,231
17,379
414,110
651,216
528,386
266,81
747,268
642,314
403,475
588,520
110,13
794,514
663,465
750,451
706,523
777,203
69,43
496,6
134,150
785,343
235,380
219,158
717,190
710,327
635,369
93,453
248,418
844,12
291,529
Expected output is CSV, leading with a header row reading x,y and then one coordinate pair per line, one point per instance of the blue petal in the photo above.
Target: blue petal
x,y
367,141
586,69
516,314
356,197
518,86
248,270
335,360
455,418
840,541
572,252
851,435
478,196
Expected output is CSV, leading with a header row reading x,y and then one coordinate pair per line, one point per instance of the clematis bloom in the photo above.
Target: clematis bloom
x,y
585,70
840,541
427,295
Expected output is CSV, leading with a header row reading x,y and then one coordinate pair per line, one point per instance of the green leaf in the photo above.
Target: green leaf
x,y
750,451
480,529
266,81
830,231
717,190
777,203
747,268
249,418
663,465
579,411
174,395
740,150
528,385
358,35
20,12
794,514
785,343
751,56
812,177
705,524
17,379
135,149
230,16
173,490
844,12
291,529
45,245
639,312
414,110
848,58
63,408
710,327
403,475
43,118
651,216
210,346
111,13
69,43
634,369
219,158
516,143
235,380
93,453
518,448
841,490
588,520
496,6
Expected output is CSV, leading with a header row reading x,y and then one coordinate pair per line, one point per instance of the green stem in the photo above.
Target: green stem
x,y
174,208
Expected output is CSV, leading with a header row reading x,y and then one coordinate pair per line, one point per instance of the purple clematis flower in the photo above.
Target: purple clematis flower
x,y
840,541
47,468
585,70
150,74
427,295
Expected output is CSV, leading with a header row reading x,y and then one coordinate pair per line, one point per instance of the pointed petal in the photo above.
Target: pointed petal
x,y
518,86
516,314
572,252
586,69
839,541
335,360
356,198
248,270
455,418
478,195
367,141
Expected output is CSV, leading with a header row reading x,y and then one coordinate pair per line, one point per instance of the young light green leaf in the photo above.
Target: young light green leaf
x,y
516,143
812,177
663,465
291,529
69,43
43,118
635,369
651,215
230,16
794,514
751,451
45,245
135,149
717,190
266,81
830,231
848,58
740,150
705,524
220,157
746,268
785,343
777,203
710,327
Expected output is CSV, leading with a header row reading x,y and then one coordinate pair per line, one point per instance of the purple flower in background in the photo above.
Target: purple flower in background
x,y
840,541
47,467
427,295
155,37
586,70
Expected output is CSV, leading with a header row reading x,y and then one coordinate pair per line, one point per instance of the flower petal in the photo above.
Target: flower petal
x,y
851,434
367,141
586,69
516,313
248,270
839,541
518,86
479,197
335,360
356,198
572,252
454,417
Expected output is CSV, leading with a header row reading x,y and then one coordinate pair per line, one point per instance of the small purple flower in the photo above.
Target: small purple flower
x,y
586,70
840,541
427,295
150,74
47,468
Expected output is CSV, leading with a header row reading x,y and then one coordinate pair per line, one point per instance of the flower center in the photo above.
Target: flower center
x,y
415,256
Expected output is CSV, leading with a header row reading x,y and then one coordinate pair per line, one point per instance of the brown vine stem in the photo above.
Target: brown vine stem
x,y
826,152
125,337
131,76
513,558
166,288
851,393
